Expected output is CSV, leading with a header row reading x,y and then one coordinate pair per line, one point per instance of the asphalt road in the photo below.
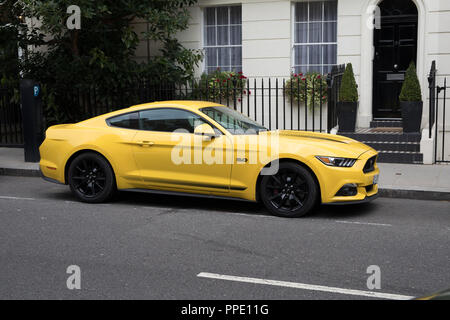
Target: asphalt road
x,y
143,246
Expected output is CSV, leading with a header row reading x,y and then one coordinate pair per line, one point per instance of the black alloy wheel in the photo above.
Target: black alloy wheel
x,y
91,178
291,192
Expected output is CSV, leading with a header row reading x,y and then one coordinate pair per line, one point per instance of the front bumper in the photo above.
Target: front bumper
x,y
365,200
335,178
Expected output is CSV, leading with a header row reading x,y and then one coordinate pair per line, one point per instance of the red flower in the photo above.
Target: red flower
x,y
303,79
240,72
244,92
300,74
218,80
318,77
239,99
249,92
295,75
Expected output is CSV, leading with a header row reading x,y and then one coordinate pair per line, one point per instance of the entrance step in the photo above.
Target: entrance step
x,y
386,123
400,157
361,135
392,144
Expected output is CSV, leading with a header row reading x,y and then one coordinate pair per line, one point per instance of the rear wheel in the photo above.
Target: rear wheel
x,y
291,192
91,178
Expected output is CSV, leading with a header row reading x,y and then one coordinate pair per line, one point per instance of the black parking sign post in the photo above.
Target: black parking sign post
x,y
31,105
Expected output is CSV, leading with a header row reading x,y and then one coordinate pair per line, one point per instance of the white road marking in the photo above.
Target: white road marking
x,y
365,223
16,198
305,286
250,215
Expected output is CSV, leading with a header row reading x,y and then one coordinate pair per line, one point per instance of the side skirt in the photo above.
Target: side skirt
x,y
184,194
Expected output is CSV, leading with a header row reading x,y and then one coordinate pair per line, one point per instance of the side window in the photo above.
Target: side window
x,y
169,120
128,121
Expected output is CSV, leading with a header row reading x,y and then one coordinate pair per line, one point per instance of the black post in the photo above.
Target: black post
x,y
31,105
432,102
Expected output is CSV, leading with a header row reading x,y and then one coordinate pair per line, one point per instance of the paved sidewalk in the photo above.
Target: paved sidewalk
x,y
415,181
427,182
12,162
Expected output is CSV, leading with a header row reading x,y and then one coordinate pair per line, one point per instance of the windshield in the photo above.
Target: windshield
x,y
235,122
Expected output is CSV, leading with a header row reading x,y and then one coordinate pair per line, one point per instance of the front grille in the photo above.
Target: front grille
x,y
370,165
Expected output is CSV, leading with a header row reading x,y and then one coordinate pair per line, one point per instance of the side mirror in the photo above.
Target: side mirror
x,y
206,131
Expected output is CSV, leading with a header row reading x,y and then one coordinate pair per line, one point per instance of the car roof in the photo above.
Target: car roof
x,y
190,104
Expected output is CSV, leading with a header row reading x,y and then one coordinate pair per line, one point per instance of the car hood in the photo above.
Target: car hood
x,y
326,144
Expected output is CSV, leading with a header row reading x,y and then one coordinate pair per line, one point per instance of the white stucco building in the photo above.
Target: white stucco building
x,y
274,38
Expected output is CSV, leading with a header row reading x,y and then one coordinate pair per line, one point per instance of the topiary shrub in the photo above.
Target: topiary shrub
x,y
349,89
411,87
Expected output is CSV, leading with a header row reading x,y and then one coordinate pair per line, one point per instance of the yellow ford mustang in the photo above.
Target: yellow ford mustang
x,y
207,149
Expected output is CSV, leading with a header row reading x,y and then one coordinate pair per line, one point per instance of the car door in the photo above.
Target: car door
x,y
165,148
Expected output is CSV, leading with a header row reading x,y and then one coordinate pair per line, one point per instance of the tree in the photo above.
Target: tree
x,y
13,34
101,52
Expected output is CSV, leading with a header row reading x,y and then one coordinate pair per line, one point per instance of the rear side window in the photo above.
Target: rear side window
x,y
128,121
169,120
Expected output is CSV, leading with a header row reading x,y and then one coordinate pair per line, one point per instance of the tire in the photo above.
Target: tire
x,y
290,193
91,178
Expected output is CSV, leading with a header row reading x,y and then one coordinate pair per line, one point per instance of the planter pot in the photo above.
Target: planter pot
x,y
412,115
347,116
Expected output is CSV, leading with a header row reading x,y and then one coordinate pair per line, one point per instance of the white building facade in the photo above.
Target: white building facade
x,y
275,38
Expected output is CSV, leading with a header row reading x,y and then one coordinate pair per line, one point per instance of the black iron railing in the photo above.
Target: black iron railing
x,y
300,102
292,104
10,118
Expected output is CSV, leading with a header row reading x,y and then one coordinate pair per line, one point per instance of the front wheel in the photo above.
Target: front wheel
x,y
91,178
291,192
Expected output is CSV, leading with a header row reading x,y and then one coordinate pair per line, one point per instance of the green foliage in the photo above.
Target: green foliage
x,y
53,114
312,85
411,87
221,85
13,33
102,53
349,89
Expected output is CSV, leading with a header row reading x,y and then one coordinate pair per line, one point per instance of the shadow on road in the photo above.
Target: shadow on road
x,y
235,206
346,211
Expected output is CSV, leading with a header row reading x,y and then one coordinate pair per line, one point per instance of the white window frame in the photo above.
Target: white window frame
x,y
204,35
294,44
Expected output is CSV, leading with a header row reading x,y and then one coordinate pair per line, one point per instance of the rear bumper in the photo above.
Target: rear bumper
x,y
49,179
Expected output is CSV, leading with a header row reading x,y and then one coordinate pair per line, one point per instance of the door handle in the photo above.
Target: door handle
x,y
146,143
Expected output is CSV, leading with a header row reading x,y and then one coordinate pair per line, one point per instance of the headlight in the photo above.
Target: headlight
x,y
337,162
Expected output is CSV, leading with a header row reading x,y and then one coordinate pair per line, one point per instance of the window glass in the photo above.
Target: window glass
x,y
223,38
315,36
233,121
128,121
169,120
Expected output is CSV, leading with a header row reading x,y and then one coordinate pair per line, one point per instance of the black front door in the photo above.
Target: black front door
x,y
395,47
